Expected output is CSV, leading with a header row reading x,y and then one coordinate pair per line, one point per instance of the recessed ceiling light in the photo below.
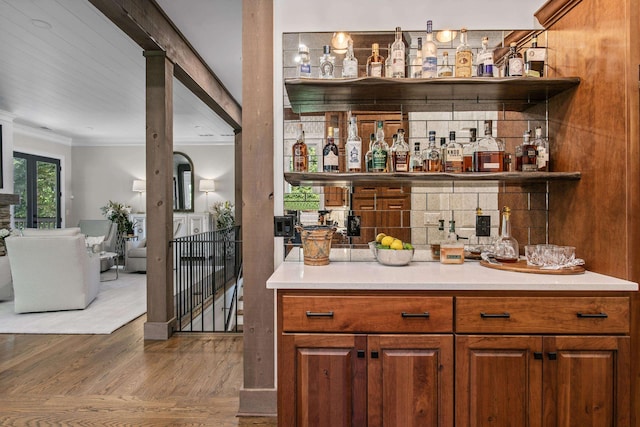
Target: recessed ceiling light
x,y
41,24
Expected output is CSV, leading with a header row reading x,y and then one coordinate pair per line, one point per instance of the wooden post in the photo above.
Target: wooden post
x,y
258,395
159,167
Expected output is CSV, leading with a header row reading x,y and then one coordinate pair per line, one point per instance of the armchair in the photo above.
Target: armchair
x,y
52,270
102,228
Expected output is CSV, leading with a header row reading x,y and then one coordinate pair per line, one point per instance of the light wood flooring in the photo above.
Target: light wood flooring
x,y
122,380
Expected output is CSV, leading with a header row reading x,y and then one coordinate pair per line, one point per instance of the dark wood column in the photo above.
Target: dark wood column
x,y
258,395
159,154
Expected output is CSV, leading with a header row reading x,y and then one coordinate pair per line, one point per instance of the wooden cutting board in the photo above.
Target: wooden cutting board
x,y
521,267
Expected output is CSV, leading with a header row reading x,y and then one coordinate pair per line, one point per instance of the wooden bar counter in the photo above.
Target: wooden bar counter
x,y
362,344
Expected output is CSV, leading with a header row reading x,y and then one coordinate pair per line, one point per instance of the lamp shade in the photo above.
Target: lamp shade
x,y
207,185
139,185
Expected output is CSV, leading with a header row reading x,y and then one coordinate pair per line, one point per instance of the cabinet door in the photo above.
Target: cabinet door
x,y
586,381
498,381
410,380
322,380
366,209
394,216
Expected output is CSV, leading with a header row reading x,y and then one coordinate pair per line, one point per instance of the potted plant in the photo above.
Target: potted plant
x,y
119,213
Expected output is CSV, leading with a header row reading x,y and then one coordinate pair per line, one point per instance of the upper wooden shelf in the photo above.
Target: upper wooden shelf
x,y
438,94
420,178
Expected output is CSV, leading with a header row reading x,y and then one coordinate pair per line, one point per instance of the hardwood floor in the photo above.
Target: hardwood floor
x,y
122,380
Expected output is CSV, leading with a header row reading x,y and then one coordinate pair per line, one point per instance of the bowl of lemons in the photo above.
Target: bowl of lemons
x,y
391,251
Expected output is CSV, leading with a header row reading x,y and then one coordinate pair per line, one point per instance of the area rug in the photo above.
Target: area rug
x,y
118,302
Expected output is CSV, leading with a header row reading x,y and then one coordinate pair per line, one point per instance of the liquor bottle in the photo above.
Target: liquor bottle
x,y
380,151
397,56
505,248
350,62
432,156
526,154
416,158
353,147
514,63
327,63
534,59
300,152
453,157
375,62
388,72
464,56
489,154
445,70
467,151
330,153
485,60
429,55
400,153
451,249
542,148
416,62
368,157
304,67
443,152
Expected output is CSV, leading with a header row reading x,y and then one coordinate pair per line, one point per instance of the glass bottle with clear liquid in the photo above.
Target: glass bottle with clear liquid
x,y
398,56
505,248
445,70
429,55
300,152
350,62
380,151
327,63
353,147
304,66
416,62
489,154
400,153
485,60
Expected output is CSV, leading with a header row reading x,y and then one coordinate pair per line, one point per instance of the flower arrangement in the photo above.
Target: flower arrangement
x,y
4,233
223,212
119,213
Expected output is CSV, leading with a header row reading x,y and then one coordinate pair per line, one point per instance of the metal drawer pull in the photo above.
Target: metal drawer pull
x,y
325,314
537,355
592,315
425,314
360,354
504,315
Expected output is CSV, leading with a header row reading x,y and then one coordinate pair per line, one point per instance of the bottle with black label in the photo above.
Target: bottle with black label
x,y
330,152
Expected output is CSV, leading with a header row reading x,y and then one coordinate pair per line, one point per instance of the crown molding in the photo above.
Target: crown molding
x,y
553,10
42,134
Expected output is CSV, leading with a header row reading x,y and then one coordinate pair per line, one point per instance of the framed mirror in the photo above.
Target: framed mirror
x,y
182,183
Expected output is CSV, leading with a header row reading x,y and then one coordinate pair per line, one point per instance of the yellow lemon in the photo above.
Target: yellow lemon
x,y
380,236
387,240
397,244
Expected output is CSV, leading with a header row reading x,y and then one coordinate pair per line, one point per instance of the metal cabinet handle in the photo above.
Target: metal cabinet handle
x,y
422,315
592,315
552,355
323,314
537,355
504,315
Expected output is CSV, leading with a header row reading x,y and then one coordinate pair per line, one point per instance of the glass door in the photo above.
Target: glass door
x,y
37,182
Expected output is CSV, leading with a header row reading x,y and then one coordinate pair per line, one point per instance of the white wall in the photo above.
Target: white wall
x,y
106,173
6,120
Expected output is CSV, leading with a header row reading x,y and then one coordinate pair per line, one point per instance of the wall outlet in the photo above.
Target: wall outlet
x,y
283,226
431,218
483,225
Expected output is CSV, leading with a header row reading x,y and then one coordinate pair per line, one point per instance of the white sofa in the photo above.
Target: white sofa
x,y
52,270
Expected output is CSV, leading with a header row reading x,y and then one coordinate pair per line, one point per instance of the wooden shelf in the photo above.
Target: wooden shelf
x,y
421,178
438,94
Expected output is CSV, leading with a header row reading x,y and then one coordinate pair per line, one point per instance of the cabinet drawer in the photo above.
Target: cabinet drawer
x,y
581,315
366,314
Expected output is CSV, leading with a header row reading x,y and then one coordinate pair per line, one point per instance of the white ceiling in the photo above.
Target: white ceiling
x,y
67,68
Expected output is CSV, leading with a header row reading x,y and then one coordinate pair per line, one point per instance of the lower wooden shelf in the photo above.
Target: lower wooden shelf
x,y
420,178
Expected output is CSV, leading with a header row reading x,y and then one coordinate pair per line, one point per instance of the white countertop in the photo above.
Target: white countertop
x,y
433,276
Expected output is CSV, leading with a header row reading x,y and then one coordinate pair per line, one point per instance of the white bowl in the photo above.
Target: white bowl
x,y
392,257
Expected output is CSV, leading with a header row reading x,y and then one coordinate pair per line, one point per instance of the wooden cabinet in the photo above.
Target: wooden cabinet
x,y
384,359
353,373
542,380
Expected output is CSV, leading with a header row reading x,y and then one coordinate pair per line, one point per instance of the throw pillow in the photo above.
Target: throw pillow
x,y
93,240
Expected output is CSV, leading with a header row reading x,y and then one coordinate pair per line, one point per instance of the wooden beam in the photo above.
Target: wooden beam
x,y
258,396
159,167
147,25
